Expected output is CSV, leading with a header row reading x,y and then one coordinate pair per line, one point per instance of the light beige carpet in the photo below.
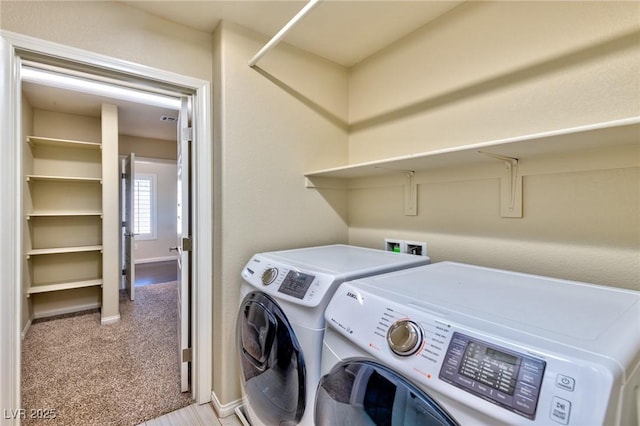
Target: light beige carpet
x,y
117,374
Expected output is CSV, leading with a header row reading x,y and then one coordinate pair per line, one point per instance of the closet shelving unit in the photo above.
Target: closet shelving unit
x,y
561,142
64,214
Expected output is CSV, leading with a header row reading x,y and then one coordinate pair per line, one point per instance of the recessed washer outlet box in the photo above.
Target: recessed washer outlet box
x,y
396,246
418,248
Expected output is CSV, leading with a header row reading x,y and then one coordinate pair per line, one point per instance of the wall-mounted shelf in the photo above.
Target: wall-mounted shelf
x,y
61,143
64,286
62,213
63,178
614,133
557,142
58,250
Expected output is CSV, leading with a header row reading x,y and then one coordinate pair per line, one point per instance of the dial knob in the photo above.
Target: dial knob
x,y
269,275
404,337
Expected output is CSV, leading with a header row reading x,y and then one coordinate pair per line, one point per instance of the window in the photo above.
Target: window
x,y
144,201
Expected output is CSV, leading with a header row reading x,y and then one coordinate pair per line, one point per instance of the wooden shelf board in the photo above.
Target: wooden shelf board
x,y
37,140
58,250
62,213
62,178
557,142
43,288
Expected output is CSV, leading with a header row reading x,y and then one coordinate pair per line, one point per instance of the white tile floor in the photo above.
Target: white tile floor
x,y
193,415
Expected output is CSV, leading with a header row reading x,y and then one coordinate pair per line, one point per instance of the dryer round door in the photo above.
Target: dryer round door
x,y
271,361
363,392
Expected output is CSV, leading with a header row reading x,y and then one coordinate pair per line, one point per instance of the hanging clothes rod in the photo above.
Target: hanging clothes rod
x,y
280,35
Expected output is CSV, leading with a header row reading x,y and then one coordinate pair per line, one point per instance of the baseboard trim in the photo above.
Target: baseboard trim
x,y
155,259
110,320
63,311
25,329
224,410
242,415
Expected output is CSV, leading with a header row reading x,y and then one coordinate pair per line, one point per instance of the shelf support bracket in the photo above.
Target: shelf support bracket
x,y
510,186
410,194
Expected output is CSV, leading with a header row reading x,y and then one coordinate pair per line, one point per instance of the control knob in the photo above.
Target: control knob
x,y
269,275
404,337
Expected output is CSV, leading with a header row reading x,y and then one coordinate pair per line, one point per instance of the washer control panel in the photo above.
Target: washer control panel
x,y
475,363
296,284
286,282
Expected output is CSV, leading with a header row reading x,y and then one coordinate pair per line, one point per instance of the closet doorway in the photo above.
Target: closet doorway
x,y
69,203
16,50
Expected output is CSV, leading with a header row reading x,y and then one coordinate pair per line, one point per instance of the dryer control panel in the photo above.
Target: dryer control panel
x,y
508,378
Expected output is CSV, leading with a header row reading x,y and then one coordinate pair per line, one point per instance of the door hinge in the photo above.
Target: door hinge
x,y
124,272
187,244
123,175
186,355
187,133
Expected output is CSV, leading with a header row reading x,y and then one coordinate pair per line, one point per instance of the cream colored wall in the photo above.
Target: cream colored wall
x,y
53,124
146,147
271,127
494,70
113,29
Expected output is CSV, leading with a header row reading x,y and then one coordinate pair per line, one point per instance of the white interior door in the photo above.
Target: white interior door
x,y
184,242
129,234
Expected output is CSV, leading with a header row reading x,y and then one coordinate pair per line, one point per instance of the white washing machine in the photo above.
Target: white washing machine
x,y
450,343
281,324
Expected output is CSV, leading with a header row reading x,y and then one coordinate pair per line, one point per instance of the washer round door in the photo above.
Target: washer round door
x,y
271,361
360,392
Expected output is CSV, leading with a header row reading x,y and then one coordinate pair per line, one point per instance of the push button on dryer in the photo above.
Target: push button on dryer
x,y
560,410
565,382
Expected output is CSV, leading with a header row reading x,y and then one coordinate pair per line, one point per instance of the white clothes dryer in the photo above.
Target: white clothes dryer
x,y
450,343
280,323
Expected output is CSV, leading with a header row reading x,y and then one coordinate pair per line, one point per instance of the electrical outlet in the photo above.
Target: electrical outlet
x,y
416,247
396,246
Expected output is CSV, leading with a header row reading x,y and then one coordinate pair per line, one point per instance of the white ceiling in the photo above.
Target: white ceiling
x,y
133,118
345,32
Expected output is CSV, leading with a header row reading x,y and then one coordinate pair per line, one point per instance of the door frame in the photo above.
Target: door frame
x,y
12,46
